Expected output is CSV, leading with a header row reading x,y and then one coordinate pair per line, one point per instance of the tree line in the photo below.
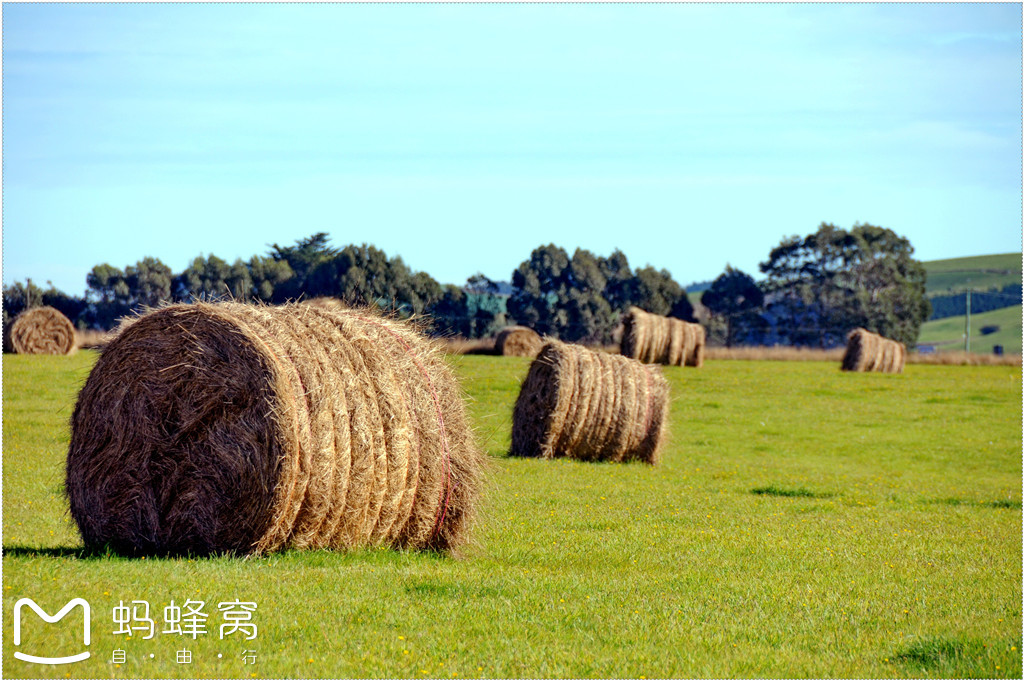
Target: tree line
x,y
818,287
815,290
577,298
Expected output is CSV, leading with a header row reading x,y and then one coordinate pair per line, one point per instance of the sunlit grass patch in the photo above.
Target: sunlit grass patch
x,y
885,541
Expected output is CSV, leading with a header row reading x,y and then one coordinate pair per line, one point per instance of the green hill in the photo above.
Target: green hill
x,y
979,273
948,333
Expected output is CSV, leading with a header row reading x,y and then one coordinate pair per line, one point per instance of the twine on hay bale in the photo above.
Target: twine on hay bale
x,y
589,405
208,428
517,341
866,351
654,339
40,331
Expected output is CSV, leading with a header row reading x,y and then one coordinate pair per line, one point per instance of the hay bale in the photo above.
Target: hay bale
x,y
900,358
653,339
40,331
866,351
326,302
589,405
208,428
517,341
696,348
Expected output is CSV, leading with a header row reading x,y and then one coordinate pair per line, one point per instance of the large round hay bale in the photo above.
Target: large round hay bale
x,y
867,351
40,331
589,405
208,428
518,341
654,339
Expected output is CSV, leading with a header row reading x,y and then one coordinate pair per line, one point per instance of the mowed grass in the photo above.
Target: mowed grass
x,y
804,522
948,333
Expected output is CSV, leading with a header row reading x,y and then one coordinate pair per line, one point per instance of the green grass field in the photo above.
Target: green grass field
x,y
803,523
979,273
948,333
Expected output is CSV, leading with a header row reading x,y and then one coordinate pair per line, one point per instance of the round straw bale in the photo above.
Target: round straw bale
x,y
518,341
209,428
653,339
676,351
888,353
632,335
589,405
695,356
900,358
40,331
857,353
866,351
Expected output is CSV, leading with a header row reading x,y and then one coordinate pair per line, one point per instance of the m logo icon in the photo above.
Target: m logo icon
x,y
42,613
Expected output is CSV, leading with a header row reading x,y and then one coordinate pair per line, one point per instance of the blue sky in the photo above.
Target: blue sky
x,y
460,137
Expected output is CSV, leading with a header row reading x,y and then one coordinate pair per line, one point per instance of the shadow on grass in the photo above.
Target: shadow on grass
x,y
57,552
961,657
97,553
307,558
772,490
1001,503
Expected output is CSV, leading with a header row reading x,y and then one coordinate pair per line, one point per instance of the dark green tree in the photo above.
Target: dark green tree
x,y
620,284
588,315
829,282
450,313
149,283
267,275
113,293
478,283
303,258
582,298
213,279
537,283
19,297
658,293
735,299
365,275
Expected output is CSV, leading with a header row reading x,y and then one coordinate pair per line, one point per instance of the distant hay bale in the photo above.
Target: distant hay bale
x,y
589,405
40,331
209,428
654,339
326,302
866,351
518,341
695,358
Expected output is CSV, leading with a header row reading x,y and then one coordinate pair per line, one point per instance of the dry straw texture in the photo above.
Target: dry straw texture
x,y
326,302
866,351
776,353
653,339
960,358
589,405
518,341
208,428
40,331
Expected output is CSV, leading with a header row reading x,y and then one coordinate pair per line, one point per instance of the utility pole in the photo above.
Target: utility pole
x,y
967,321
